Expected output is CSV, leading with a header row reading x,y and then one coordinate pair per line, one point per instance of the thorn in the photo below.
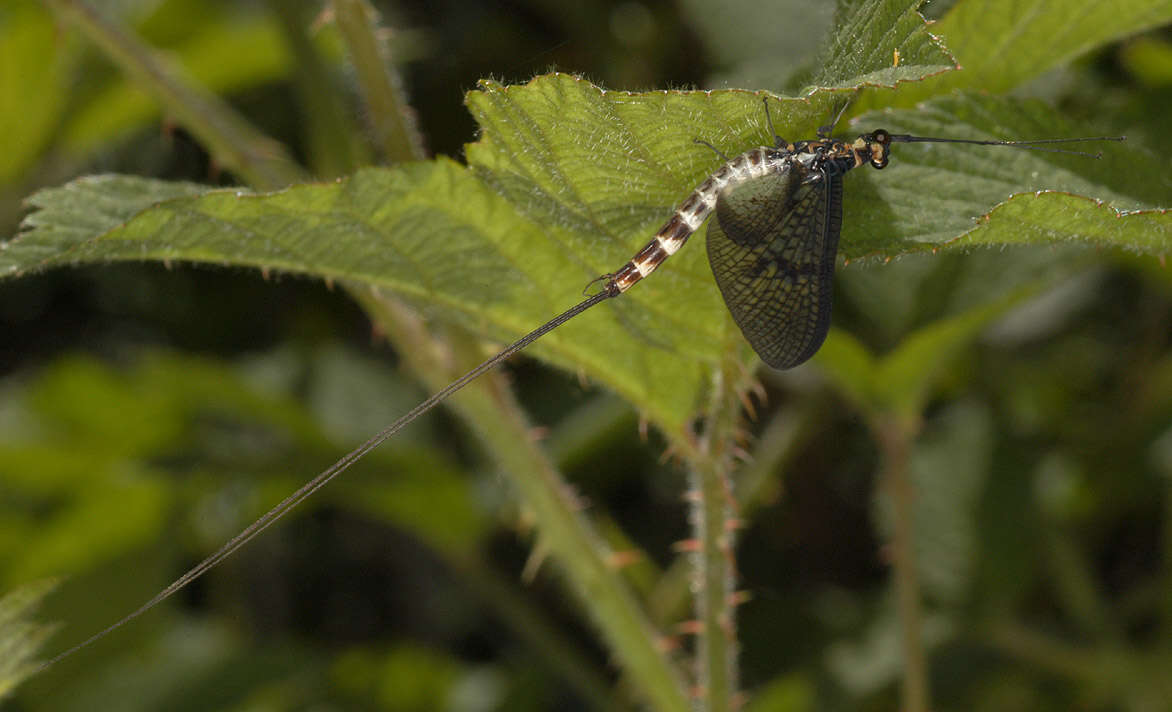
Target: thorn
x,y
733,524
750,409
537,433
325,17
264,273
689,434
691,496
742,455
330,283
526,522
692,627
668,454
574,498
533,563
667,643
167,263
759,390
642,428
622,559
689,546
739,598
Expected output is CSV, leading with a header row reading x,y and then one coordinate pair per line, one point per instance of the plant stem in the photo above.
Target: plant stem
x,y
713,518
895,435
758,483
382,89
334,144
1045,652
231,140
488,407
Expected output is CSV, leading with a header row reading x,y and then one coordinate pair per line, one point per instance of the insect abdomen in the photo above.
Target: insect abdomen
x,y
692,213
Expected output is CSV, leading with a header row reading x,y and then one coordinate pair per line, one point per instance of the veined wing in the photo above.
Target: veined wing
x,y
772,246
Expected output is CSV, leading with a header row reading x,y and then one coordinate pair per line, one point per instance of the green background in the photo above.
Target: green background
x,y
150,410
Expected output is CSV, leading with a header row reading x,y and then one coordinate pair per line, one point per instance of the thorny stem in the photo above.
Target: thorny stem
x,y
895,435
758,484
490,410
713,519
488,407
382,89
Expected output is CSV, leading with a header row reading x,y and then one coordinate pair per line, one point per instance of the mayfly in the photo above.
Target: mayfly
x,y
772,247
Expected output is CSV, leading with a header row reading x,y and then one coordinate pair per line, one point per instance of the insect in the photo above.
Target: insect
x,y
773,243
772,246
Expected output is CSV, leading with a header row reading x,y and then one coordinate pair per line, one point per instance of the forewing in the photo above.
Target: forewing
x,y
772,247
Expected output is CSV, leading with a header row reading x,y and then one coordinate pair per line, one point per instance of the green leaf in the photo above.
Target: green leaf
x,y
949,468
933,193
905,377
404,678
68,217
902,380
792,692
862,49
1149,59
123,429
583,177
849,365
430,232
1052,217
1001,44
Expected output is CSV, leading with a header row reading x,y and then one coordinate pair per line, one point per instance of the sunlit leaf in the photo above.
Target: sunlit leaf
x,y
880,44
582,177
1002,43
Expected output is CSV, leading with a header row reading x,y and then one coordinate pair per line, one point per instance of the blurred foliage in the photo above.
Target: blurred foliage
x,y
20,636
148,413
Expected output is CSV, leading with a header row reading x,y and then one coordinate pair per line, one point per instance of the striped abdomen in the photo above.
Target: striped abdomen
x,y
692,212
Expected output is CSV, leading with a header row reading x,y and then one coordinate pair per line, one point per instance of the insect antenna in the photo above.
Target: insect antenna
x,y
720,153
778,141
324,477
1033,145
828,129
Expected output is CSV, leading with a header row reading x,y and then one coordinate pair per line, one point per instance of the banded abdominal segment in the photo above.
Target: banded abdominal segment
x,y
692,213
